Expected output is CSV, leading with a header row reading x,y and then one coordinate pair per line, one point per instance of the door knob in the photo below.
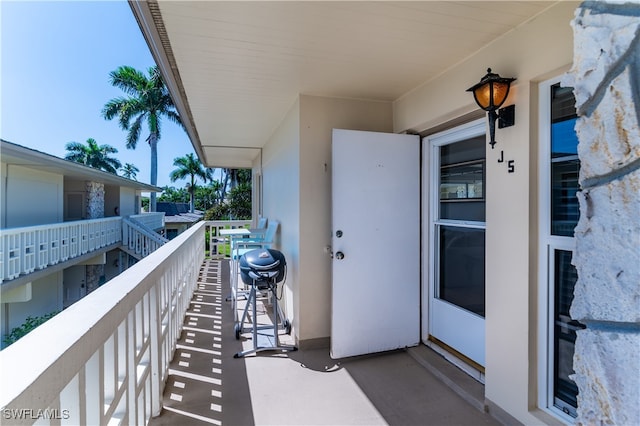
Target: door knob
x,y
339,255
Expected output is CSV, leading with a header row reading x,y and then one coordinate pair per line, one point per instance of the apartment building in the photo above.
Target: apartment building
x,y
65,230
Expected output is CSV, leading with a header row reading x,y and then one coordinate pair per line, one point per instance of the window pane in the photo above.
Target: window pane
x,y
564,140
469,210
462,268
461,152
565,166
565,276
462,183
565,210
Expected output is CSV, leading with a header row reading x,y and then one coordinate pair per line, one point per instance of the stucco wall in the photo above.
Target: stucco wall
x,y
46,297
531,52
111,200
127,204
281,189
23,186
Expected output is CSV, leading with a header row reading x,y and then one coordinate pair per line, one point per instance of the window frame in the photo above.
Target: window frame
x,y
470,130
548,244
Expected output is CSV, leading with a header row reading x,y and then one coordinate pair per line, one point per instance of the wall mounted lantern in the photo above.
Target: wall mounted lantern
x,y
490,94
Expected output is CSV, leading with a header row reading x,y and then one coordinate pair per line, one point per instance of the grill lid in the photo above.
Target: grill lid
x,y
261,260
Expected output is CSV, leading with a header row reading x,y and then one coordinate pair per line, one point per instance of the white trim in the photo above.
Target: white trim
x,y
544,123
465,131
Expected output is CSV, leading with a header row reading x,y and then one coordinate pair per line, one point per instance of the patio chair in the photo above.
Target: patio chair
x,y
262,223
255,240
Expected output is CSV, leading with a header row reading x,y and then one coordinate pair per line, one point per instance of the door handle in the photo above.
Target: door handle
x,y
339,255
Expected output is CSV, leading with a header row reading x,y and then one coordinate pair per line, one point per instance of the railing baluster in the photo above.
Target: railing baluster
x,y
28,251
64,243
2,260
93,404
13,256
70,400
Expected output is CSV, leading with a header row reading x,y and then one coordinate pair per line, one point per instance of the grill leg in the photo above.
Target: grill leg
x,y
277,317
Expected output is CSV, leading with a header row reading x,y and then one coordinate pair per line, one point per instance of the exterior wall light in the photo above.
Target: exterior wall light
x,y
490,94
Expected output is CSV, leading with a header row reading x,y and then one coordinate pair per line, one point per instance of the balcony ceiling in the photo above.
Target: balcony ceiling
x,y
235,68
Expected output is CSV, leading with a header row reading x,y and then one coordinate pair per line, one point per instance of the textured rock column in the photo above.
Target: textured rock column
x,y
606,80
95,210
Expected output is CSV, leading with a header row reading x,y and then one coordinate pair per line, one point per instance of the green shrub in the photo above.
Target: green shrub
x,y
29,324
219,212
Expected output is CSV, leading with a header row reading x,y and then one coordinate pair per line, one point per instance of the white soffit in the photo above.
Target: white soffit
x,y
243,64
232,158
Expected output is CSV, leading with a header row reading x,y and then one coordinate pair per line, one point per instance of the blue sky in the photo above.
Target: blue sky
x,y
55,64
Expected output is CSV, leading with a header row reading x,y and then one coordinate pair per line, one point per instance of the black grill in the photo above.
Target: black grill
x,y
262,266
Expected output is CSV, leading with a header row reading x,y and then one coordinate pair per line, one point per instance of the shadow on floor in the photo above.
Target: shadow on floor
x,y
206,385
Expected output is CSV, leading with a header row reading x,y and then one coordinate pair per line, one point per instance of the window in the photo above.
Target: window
x,y
559,213
460,227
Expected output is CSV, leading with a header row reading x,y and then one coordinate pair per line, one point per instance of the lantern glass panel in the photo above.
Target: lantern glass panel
x,y
483,96
500,92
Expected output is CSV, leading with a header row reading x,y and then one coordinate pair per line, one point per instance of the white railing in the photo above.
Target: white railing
x,y
140,241
154,220
220,246
107,356
25,250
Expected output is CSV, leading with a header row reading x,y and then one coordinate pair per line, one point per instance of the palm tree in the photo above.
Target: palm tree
x,y
93,155
190,166
129,171
148,100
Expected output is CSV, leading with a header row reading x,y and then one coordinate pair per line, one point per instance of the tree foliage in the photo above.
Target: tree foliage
x,y
174,195
93,155
188,166
240,201
129,171
212,197
149,102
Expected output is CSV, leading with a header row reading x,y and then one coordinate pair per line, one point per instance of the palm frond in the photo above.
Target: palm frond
x,y
129,80
134,132
112,108
174,117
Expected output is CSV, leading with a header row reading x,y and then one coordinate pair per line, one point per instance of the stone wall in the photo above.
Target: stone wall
x,y
95,200
95,210
606,81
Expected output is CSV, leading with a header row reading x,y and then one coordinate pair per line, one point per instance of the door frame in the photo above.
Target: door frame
x,y
429,212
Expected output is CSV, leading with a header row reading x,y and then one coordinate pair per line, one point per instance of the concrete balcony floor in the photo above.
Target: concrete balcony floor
x,y
207,385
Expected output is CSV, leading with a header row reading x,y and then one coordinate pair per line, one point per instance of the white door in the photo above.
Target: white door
x,y
457,239
376,242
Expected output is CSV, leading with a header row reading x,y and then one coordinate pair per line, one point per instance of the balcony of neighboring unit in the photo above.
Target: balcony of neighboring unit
x,y
29,252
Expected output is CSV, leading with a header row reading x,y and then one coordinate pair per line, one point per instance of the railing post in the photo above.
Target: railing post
x,y
155,349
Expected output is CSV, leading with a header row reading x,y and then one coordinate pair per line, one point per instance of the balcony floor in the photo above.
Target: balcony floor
x,y
207,385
